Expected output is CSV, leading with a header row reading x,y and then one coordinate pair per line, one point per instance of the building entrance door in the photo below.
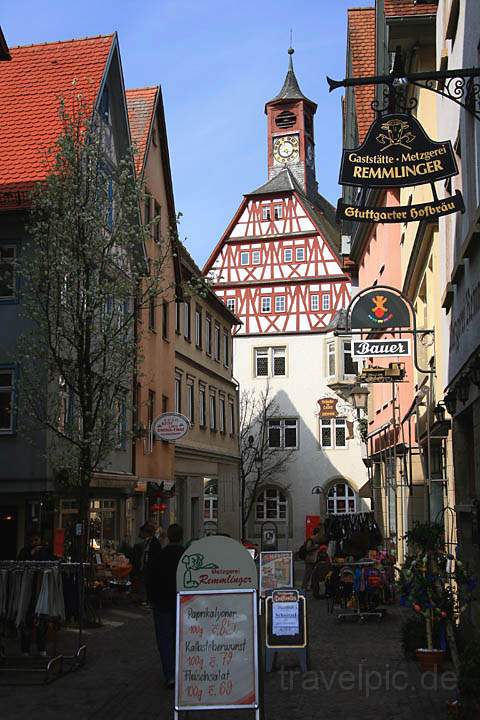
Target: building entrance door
x,y
8,533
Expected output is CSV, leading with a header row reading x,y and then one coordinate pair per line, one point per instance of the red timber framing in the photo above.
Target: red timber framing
x,y
277,267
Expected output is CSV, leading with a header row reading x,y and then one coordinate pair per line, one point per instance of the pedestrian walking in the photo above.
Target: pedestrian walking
x,y
161,584
312,545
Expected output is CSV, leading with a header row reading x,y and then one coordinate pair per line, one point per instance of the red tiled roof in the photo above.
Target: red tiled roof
x,y
31,85
397,8
361,36
141,105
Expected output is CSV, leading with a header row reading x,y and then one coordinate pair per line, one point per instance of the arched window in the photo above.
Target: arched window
x,y
341,499
271,504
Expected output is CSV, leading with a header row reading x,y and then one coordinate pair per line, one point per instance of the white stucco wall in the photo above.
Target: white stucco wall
x,y
297,394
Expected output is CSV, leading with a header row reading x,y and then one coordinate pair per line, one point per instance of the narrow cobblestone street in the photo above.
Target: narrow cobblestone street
x,y
357,672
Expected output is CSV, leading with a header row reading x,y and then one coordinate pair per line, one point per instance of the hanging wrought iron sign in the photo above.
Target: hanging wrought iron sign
x,y
327,407
379,309
397,152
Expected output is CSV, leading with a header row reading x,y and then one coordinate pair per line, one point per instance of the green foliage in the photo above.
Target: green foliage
x,y
432,582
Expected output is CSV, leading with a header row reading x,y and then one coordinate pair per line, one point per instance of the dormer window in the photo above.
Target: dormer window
x,y
286,119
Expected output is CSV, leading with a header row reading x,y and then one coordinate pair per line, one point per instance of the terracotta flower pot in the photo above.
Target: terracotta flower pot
x,y
430,660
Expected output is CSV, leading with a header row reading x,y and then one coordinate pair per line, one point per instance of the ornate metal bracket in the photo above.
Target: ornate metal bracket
x,y
460,86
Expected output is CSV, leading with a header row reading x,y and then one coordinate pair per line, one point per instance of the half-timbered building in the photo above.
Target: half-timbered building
x,y
278,268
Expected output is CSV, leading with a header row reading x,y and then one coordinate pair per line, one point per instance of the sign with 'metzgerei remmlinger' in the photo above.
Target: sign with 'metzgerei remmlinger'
x,y
380,348
379,309
397,152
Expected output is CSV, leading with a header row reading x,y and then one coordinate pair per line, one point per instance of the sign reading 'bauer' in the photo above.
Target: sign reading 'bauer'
x,y
380,348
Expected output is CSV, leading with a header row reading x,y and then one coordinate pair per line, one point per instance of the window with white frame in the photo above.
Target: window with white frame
x,y
266,304
266,212
341,500
217,342
7,271
244,258
277,212
191,400
210,500
299,254
283,433
226,348
280,303
213,412
231,416
333,433
262,362
222,414
177,318
270,361
208,335
7,379
187,321
287,255
202,406
331,359
325,301
271,504
230,303
279,364
349,366
198,327
314,303
178,395
255,257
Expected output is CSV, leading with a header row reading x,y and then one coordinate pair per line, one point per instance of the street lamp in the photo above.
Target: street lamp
x,y
439,412
359,395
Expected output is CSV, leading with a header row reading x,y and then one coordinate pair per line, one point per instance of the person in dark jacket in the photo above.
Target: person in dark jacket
x,y
161,585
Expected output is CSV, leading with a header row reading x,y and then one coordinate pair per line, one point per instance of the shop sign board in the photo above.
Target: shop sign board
x,y
217,650
427,212
276,570
327,407
397,152
378,309
380,348
286,620
216,563
170,426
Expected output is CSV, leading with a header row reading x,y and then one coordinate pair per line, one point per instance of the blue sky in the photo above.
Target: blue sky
x,y
218,63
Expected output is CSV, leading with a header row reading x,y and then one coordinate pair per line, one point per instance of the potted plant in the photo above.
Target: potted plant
x,y
438,588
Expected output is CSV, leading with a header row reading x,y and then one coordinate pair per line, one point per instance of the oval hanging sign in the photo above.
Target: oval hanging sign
x,y
170,426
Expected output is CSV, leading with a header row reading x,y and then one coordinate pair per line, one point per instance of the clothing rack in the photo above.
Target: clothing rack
x,y
20,670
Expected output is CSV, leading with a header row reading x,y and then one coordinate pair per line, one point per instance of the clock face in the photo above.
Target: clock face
x,y
286,149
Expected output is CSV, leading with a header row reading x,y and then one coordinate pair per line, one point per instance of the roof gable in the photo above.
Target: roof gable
x,y
141,103
31,86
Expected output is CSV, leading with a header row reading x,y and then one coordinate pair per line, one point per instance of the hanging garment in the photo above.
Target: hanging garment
x,y
25,597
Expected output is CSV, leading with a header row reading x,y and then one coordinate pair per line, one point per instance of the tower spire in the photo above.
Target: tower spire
x,y
290,52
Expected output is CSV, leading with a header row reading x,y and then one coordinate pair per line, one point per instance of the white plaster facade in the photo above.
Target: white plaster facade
x,y
297,394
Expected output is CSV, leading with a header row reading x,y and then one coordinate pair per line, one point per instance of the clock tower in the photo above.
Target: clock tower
x,y
290,133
